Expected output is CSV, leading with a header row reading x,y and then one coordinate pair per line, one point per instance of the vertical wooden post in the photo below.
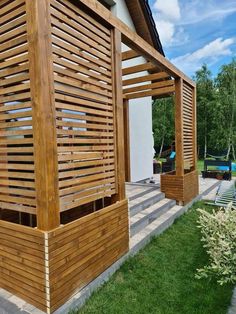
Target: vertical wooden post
x,y
179,127
118,114
127,140
44,118
194,129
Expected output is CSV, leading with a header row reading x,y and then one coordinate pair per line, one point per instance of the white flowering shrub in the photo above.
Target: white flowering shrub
x,y
219,237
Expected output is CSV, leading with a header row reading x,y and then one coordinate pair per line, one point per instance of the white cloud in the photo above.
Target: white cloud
x,y
198,11
209,54
166,31
167,15
169,9
173,16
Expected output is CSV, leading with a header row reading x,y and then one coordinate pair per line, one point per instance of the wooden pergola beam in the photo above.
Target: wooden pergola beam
x,y
129,54
148,86
154,92
134,41
138,68
146,78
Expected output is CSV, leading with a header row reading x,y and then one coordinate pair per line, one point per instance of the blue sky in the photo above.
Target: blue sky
x,y
194,32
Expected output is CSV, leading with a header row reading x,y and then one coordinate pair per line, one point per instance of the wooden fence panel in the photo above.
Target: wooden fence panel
x,y
188,126
16,136
82,58
22,263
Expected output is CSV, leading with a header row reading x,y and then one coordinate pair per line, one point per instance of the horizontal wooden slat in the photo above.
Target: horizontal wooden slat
x,y
83,148
13,43
83,125
67,100
86,163
61,11
15,79
86,65
13,34
88,199
77,51
84,141
154,92
13,14
83,186
22,262
14,61
138,68
67,201
86,171
82,117
14,52
94,77
94,25
145,78
148,86
14,70
71,89
86,133
18,191
81,156
74,29
129,54
59,32
85,179
13,24
14,89
13,5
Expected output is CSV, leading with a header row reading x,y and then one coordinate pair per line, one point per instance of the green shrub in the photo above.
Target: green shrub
x,y
219,237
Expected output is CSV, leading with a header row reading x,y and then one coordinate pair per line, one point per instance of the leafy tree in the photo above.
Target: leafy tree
x,y
163,122
224,121
216,113
205,106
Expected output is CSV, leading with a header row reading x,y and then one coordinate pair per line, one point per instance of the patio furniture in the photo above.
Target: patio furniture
x,y
169,164
222,167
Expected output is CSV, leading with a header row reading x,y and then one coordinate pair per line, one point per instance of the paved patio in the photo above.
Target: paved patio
x,y
10,304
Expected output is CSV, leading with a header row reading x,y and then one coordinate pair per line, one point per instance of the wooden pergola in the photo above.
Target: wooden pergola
x,y
63,92
155,80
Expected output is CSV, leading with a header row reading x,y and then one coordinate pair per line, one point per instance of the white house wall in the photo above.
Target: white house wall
x,y
140,116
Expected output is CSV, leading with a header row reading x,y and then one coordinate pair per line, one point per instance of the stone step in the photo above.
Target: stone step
x,y
156,227
140,203
148,215
138,191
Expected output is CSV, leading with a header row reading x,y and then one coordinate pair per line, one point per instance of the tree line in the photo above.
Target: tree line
x,y
216,114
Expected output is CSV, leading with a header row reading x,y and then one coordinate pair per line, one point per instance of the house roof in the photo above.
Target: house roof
x,y
145,26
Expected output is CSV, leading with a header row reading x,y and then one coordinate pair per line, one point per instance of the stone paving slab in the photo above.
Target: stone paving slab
x,y
11,304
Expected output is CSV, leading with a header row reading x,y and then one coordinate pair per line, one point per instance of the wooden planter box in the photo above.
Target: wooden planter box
x,y
47,268
181,188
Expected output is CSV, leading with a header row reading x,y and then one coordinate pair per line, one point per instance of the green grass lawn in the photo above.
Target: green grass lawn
x,y
160,278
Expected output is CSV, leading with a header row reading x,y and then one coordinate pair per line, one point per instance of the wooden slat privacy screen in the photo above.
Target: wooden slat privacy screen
x,y
84,105
188,125
17,190
82,64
